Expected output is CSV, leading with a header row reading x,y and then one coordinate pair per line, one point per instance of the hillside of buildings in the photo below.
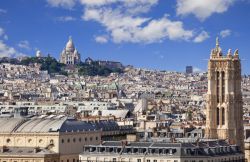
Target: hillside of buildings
x,y
52,66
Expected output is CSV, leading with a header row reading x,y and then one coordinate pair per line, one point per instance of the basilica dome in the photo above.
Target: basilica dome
x,y
70,55
70,45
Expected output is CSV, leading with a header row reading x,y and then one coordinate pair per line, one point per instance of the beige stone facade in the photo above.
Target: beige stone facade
x,y
224,98
44,140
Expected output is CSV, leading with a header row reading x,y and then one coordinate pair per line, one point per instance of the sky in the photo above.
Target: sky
x,y
152,34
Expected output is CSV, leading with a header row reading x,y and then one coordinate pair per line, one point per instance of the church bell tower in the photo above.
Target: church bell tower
x,y
224,98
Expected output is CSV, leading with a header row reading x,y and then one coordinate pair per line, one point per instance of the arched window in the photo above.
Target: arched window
x,y
218,116
223,116
8,140
218,86
223,86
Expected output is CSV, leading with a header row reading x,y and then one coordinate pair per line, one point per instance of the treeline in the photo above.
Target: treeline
x,y
94,69
48,63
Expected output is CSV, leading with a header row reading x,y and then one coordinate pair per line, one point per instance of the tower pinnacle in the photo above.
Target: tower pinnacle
x,y
217,42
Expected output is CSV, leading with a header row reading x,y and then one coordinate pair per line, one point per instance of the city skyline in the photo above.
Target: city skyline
x,y
157,33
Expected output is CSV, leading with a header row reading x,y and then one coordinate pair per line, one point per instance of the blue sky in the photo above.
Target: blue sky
x,y
154,34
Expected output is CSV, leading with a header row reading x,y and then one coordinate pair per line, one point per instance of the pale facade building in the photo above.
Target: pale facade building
x,y
38,54
122,151
70,55
224,98
45,139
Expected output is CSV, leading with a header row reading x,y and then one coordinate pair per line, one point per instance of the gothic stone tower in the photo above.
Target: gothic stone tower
x,y
224,99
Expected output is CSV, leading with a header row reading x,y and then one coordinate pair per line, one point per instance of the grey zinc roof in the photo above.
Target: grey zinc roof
x,y
165,149
45,124
8,125
164,145
73,125
41,125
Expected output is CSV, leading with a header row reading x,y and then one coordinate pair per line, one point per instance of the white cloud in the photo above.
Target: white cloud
x,y
3,11
2,34
5,37
127,27
68,4
65,18
124,20
101,39
201,37
24,44
225,33
1,31
197,70
6,51
131,6
97,2
202,9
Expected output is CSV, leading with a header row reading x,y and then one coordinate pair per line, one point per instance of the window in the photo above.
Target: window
x,y
8,140
40,141
114,159
80,139
74,140
68,140
62,140
96,138
223,116
86,139
218,86
91,138
218,116
148,160
223,86
138,160
155,160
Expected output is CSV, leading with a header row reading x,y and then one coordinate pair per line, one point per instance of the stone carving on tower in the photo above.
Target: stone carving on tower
x,y
70,55
224,98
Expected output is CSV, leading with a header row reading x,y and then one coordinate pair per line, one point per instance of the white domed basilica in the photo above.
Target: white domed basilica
x,y
70,55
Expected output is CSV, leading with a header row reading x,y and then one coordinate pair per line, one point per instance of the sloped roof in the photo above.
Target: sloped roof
x,y
45,124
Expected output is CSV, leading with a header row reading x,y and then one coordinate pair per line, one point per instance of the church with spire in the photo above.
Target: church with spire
x,y
70,55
